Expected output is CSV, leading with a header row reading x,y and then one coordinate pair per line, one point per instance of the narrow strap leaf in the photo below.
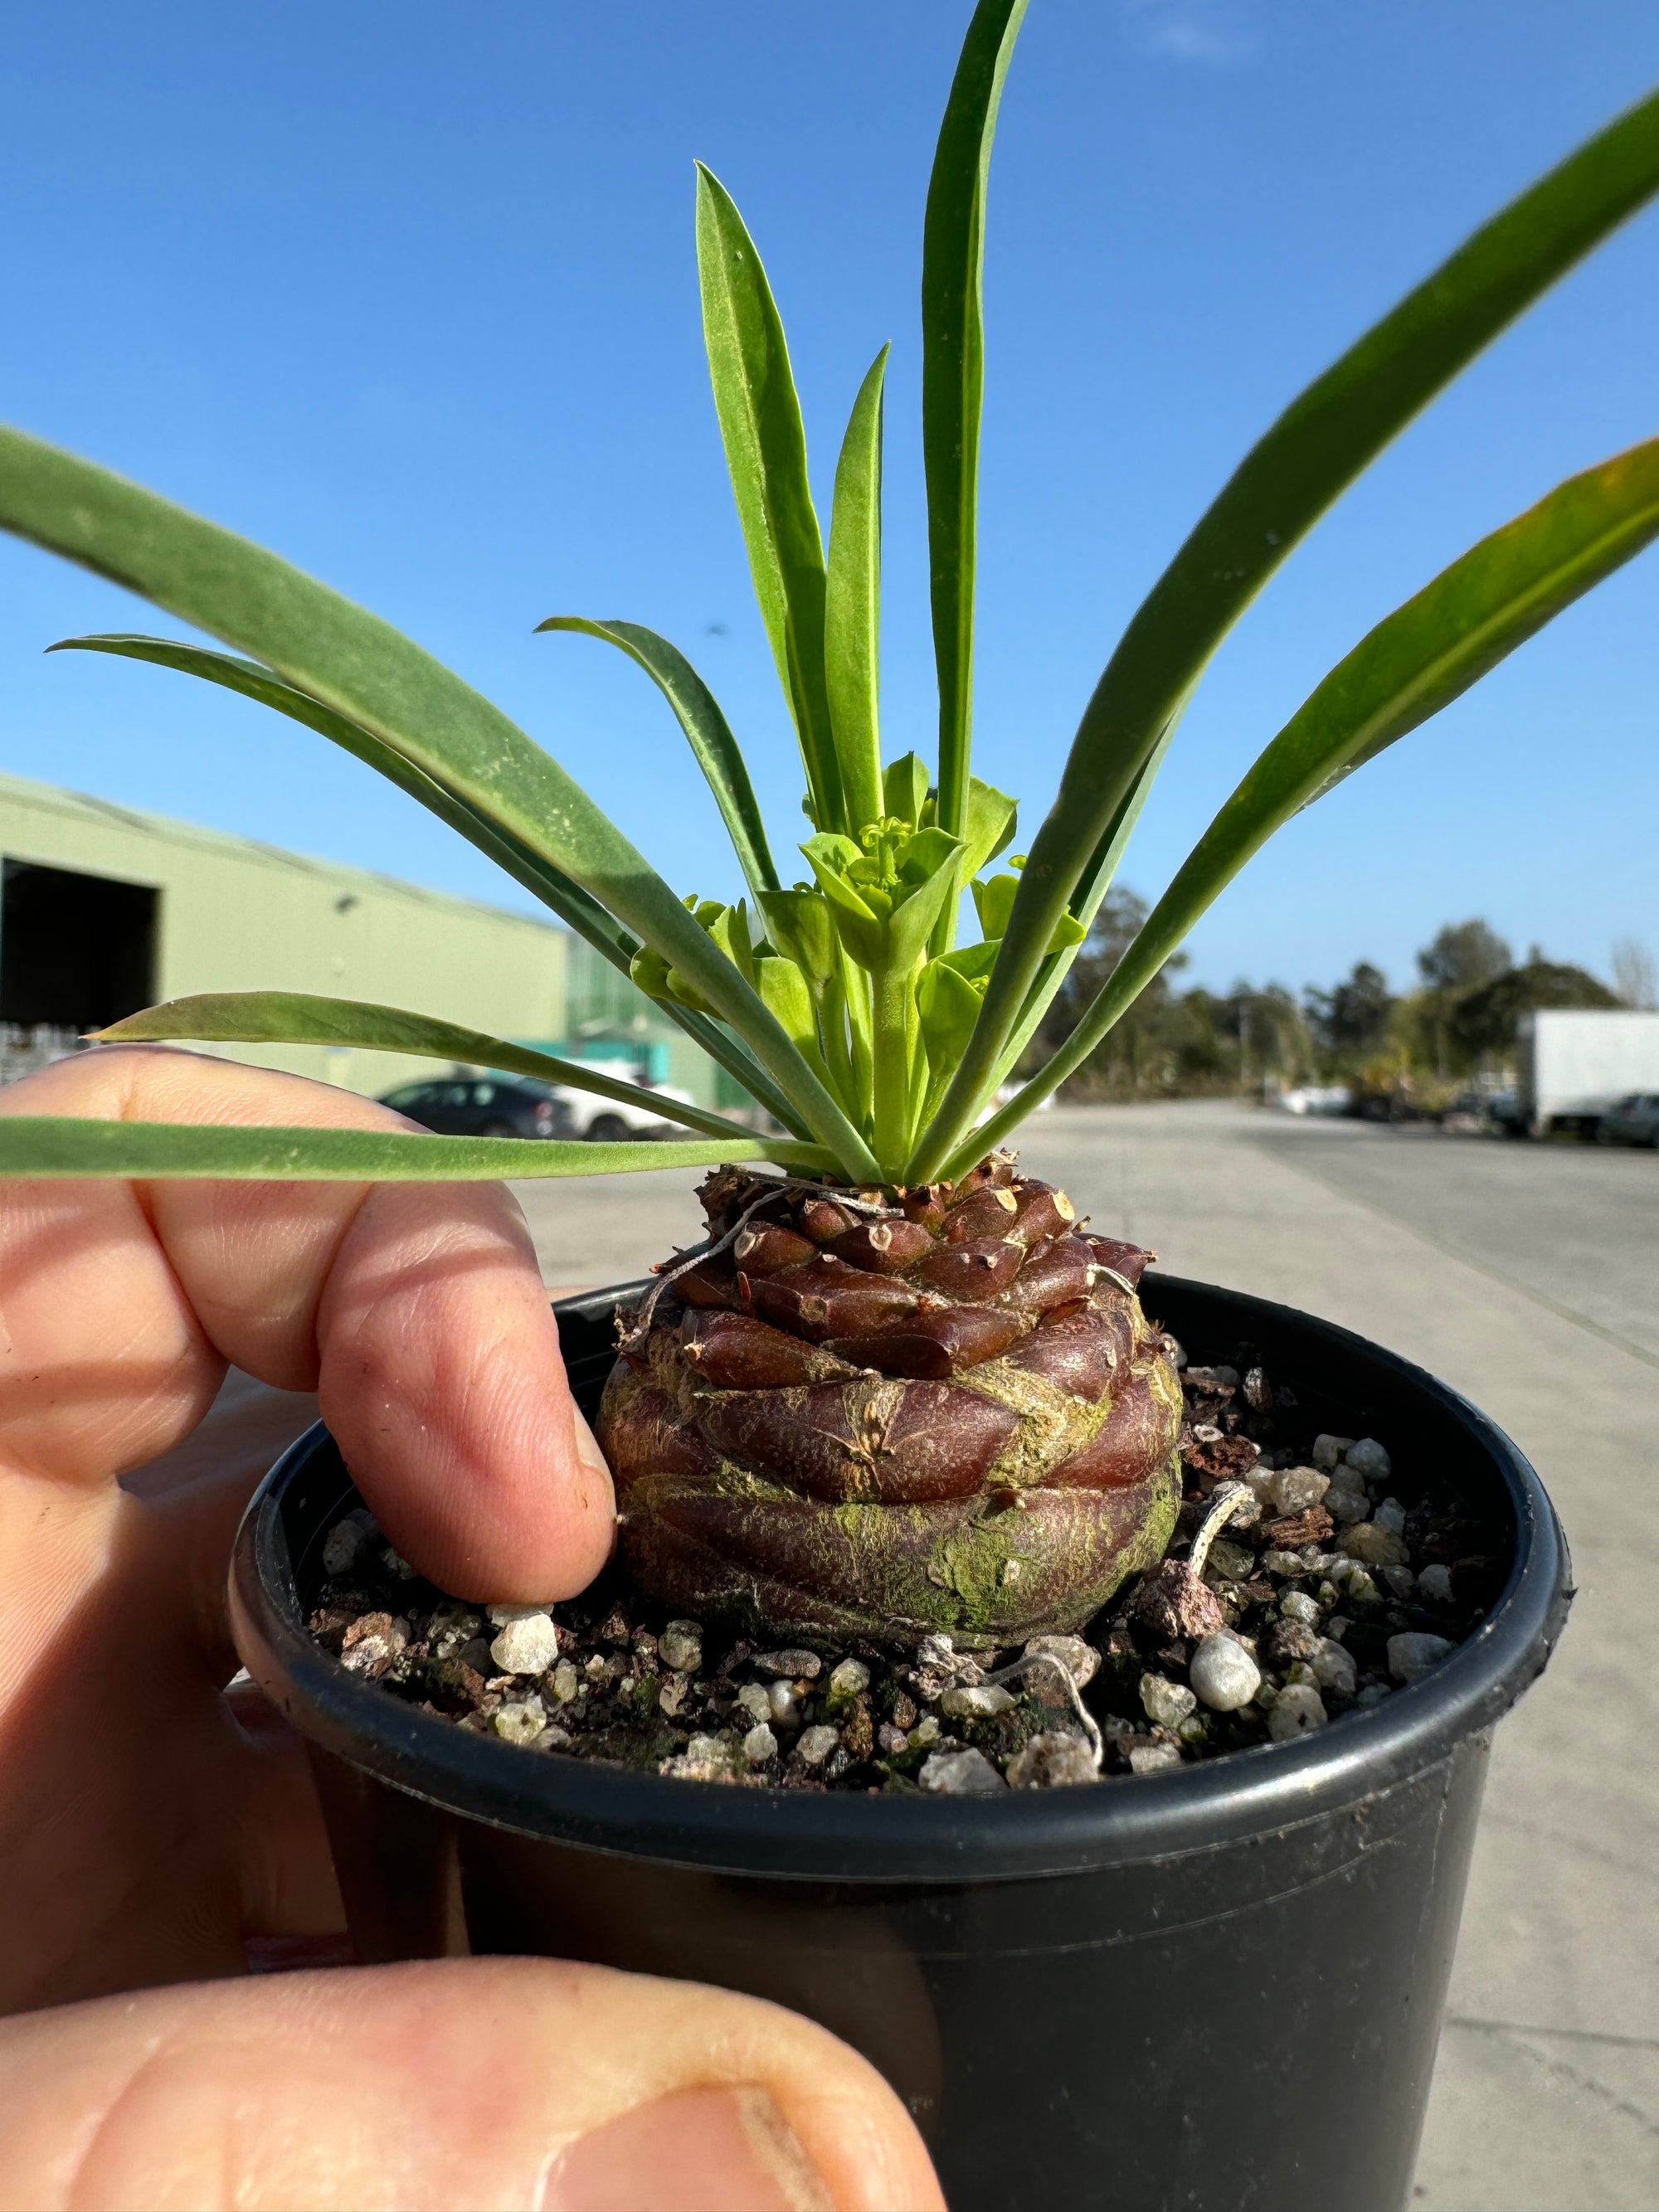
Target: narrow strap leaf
x,y
41,1144
707,731
952,375
852,606
585,916
766,453
299,1017
352,661
1316,448
539,876
1414,662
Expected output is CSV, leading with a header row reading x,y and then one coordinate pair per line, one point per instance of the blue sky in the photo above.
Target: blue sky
x,y
406,291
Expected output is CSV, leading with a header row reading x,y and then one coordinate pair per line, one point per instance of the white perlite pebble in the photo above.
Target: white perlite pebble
x,y
753,1700
816,1745
565,1682
346,1539
1052,1760
499,1615
1293,1489
528,1644
1369,1460
960,1774
975,1704
925,1732
1333,1667
1410,1656
1435,1584
1224,1674
1166,1702
1329,1449
1081,1660
1296,1605
760,1745
849,1677
520,1720
1153,1757
680,1646
1297,1708
1390,1514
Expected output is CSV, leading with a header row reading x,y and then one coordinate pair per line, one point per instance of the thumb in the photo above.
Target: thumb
x,y
475,2083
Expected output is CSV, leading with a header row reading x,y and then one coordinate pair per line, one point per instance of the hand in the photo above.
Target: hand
x,y
151,1824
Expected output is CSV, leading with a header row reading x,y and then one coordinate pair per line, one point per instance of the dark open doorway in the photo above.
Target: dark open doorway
x,y
77,952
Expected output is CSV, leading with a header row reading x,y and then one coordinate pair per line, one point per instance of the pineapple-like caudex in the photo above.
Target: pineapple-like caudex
x,y
852,1414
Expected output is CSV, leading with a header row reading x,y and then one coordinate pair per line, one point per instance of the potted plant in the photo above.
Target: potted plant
x,y
900,1404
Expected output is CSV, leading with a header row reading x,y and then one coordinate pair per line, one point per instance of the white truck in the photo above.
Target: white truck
x,y
1573,1064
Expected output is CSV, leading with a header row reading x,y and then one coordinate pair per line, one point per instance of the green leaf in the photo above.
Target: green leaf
x,y
349,660
706,732
41,1144
904,789
766,453
952,376
801,926
885,926
992,817
948,1003
860,923
1321,442
298,1017
247,677
1416,661
539,876
852,606
784,989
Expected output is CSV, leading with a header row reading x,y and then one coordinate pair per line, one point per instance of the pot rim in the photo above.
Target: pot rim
x,y
918,1838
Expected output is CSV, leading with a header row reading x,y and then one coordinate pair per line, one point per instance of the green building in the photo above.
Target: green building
x,y
104,909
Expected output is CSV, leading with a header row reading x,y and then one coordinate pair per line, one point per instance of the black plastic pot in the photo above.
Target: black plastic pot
x,y
1196,1991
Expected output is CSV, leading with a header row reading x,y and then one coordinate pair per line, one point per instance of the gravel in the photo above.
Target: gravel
x,y
1410,1656
1369,1460
1297,1708
527,1644
1224,1674
680,1646
1052,1761
815,1744
961,1774
1337,1581
1167,1703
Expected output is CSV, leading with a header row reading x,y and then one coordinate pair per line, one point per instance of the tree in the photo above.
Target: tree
x,y
1351,1021
1632,975
1482,1025
1463,955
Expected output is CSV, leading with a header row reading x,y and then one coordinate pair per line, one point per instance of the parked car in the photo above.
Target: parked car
x,y
612,1121
484,1106
1633,1120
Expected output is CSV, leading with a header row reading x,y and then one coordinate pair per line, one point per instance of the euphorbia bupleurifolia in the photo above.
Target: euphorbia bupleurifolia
x,y
901,1388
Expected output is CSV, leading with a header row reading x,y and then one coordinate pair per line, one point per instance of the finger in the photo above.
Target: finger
x,y
415,1310
493,2082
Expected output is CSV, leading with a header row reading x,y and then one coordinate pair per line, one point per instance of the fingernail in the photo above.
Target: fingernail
x,y
696,2150
587,1445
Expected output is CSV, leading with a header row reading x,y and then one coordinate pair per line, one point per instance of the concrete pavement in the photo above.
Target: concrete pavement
x,y
1526,1276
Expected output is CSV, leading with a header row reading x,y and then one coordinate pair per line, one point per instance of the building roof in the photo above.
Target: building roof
x,y
78,805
